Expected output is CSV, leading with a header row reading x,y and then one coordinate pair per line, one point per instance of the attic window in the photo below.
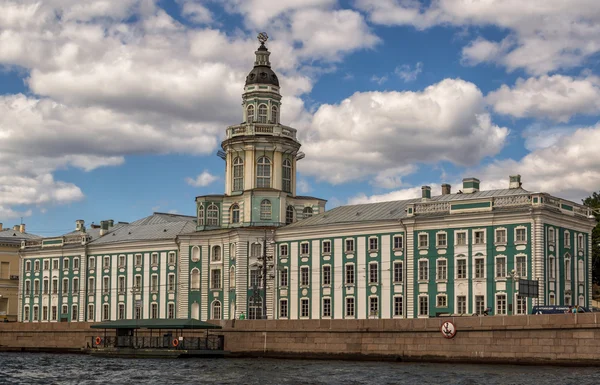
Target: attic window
x,y
165,230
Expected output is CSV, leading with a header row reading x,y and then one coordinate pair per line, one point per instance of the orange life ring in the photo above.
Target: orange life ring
x,y
98,340
175,342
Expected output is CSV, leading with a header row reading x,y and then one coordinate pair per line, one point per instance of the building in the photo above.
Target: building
x,y
10,243
261,250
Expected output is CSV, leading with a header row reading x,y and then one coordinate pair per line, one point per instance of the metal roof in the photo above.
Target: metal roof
x,y
16,234
159,323
389,211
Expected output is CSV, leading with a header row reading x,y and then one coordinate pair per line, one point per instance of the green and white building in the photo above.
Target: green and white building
x,y
456,253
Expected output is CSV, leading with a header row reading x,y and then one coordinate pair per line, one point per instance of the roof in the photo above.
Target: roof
x,y
159,323
16,234
392,210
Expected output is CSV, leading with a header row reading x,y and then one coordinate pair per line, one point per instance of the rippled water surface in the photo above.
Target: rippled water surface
x,y
16,368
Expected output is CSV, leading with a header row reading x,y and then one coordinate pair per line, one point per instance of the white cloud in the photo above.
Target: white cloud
x,y
555,97
543,35
371,132
8,213
202,180
399,195
195,11
407,74
303,186
379,79
538,136
262,12
392,177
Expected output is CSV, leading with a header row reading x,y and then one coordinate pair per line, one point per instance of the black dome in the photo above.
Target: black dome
x,y
262,75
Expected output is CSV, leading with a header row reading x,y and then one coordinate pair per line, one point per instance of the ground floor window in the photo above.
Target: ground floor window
x,y
373,306
26,313
398,306
65,309
138,312
350,307
216,310
326,307
90,315
283,308
461,304
521,305
74,315
255,309
479,304
442,300
121,311
501,304
105,312
423,305
154,310
171,310
35,313
54,313
304,308
44,313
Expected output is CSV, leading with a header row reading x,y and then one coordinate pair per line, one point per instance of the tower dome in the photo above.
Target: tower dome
x,y
262,72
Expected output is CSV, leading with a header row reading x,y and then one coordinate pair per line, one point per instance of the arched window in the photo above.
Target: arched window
x,y
235,213
262,113
232,276
567,269
195,280
263,172
250,114
289,215
307,212
580,271
216,310
265,210
287,175
195,254
196,310
274,117
238,174
212,215
201,215
216,254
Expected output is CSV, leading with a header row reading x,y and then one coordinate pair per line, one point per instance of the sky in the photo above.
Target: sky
x,y
114,109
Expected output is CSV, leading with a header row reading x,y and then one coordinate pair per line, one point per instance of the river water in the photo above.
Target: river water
x,y
29,368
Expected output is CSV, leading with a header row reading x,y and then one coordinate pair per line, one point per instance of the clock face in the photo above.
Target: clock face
x,y
263,37
448,329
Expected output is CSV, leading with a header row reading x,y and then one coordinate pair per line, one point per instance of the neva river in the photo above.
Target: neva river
x,y
31,368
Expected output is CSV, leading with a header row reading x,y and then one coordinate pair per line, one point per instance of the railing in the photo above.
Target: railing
x,y
512,200
433,207
261,129
167,341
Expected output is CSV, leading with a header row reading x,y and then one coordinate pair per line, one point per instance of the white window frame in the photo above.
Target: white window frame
x,y
567,239
350,304
401,275
326,247
475,267
519,229
423,239
373,244
479,231
281,250
496,271
420,312
352,281
398,242
580,242
466,238
424,273
326,307
283,314
373,273
349,242
154,259
501,308
441,240
304,276
122,260
551,267
516,264
497,232
304,248
551,236
326,275
465,274
304,308
401,306
441,300
438,269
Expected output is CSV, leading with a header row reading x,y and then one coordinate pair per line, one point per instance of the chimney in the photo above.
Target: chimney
x,y
79,225
446,188
111,223
425,193
16,227
103,227
22,228
515,181
470,185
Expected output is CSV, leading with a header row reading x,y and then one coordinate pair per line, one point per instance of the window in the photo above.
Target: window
x,y
283,250
65,264
521,262
121,284
442,300
373,244
35,313
423,305
154,310
154,259
263,172
398,306
373,306
26,313
90,315
105,312
479,304
461,304
461,268
121,312
46,289
106,262
201,215
304,276
283,277
501,304
171,258
75,263
350,307
423,270
550,235
255,278
501,236
373,273
27,265
121,260
479,268
567,269
398,242
171,310
551,268
307,212
54,313
283,308
171,282
265,210
216,310
304,308
92,263
216,254
442,270
442,240
567,300
231,277
326,307
212,215
398,272
326,247
500,267
349,245
28,288
46,264
304,248
262,113
289,215
350,274
138,312
580,242
521,307
55,264
580,268
461,239
55,286
423,240
274,117
105,285
238,174
138,260
520,235
154,283
195,279
215,279
479,237
75,285
65,309
327,275
287,176
235,213
36,265
65,286
250,114
36,287
138,283
567,239
552,299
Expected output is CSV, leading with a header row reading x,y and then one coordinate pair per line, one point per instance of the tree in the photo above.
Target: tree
x,y
593,201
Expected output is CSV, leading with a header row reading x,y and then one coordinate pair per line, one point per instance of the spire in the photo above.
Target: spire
x,y
262,54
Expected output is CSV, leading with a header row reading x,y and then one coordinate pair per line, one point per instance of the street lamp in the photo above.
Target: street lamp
x,y
511,279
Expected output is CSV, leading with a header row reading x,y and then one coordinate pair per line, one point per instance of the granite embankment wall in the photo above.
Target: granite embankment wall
x,y
561,339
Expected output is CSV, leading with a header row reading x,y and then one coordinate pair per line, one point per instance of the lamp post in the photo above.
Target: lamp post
x,y
511,279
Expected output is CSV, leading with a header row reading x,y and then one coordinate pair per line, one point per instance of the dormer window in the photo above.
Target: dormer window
x,y
212,215
307,212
